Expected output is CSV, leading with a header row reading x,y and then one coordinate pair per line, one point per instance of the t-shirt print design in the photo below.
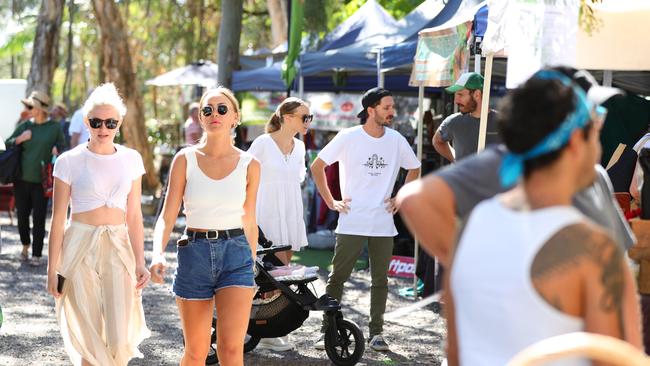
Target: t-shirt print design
x,y
375,165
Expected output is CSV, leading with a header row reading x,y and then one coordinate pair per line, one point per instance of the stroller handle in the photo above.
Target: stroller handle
x,y
273,249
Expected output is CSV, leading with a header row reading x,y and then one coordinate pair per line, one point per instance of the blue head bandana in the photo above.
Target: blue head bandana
x,y
512,166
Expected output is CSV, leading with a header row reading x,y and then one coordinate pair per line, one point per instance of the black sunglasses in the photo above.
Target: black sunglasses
x,y
110,123
208,110
29,107
306,118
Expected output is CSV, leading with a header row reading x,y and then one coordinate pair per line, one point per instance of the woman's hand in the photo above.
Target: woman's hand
x,y
142,275
157,269
52,282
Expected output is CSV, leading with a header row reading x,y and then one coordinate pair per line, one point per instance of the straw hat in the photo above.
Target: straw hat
x,y
37,99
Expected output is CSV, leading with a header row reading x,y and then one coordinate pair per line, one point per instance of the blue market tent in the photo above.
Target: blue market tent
x,y
361,57
455,11
370,19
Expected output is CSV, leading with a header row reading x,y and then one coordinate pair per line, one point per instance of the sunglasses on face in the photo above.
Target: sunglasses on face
x,y
208,110
110,123
306,118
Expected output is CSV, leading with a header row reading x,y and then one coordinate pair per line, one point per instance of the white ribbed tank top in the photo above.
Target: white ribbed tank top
x,y
498,311
214,204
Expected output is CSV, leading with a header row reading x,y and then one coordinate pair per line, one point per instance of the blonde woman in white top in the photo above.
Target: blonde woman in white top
x,y
282,157
279,201
100,253
218,186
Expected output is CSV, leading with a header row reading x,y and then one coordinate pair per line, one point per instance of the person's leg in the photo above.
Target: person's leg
x,y
346,252
380,251
39,203
23,208
233,311
196,320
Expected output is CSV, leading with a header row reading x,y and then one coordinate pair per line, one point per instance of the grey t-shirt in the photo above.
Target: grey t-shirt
x,y
477,178
462,130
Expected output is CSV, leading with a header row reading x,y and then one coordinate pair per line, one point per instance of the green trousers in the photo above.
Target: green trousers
x,y
347,251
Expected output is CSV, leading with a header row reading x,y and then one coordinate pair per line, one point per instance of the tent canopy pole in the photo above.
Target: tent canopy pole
x,y
485,102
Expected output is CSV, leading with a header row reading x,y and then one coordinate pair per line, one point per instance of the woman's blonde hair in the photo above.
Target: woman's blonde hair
x,y
226,93
105,94
286,107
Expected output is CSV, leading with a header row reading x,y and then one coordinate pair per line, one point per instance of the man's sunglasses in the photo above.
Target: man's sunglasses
x,y
208,110
110,123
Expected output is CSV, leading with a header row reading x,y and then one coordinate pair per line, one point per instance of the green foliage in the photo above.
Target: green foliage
x,y
17,42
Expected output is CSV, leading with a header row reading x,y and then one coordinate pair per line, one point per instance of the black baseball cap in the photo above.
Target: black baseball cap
x,y
371,97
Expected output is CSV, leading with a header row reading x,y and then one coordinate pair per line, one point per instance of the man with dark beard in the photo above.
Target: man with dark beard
x,y
461,129
370,157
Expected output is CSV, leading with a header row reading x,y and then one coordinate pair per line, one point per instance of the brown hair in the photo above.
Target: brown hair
x,y
286,107
226,93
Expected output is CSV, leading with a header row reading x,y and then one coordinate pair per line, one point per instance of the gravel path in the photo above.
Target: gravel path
x,y
30,335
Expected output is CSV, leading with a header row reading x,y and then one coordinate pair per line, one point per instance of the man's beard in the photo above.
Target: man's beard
x,y
469,107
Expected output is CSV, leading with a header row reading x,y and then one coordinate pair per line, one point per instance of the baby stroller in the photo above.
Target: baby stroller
x,y
287,309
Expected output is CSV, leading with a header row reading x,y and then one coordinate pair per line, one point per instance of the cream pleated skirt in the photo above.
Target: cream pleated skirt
x,y
100,311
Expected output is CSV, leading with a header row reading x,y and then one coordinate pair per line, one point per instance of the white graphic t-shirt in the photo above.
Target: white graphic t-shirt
x,y
368,167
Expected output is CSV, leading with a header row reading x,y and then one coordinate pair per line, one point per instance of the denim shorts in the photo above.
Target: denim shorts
x,y
207,265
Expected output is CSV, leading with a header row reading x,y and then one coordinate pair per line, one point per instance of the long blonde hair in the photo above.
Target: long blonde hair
x,y
286,107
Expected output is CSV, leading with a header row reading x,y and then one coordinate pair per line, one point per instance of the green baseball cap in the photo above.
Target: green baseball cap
x,y
469,80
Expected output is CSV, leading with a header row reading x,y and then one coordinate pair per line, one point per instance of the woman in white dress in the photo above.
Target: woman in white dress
x,y
279,199
100,252
282,157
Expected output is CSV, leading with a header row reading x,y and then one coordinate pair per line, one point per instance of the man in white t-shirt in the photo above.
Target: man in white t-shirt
x,y
369,157
78,130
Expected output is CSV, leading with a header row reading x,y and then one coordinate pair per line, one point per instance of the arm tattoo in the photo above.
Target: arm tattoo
x,y
578,243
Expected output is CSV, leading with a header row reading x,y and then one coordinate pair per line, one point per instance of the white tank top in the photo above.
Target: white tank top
x,y
214,204
498,311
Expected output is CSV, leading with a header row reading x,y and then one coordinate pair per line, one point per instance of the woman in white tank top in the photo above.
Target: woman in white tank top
x,y
101,255
217,184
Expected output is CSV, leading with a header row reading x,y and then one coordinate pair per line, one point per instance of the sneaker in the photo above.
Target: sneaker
x,y
378,343
36,261
320,342
279,344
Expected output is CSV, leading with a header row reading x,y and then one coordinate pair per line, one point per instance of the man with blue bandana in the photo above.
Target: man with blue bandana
x,y
529,253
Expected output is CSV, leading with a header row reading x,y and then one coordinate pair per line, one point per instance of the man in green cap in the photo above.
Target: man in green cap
x,y
461,129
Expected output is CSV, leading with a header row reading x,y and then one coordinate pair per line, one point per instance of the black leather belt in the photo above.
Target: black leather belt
x,y
214,234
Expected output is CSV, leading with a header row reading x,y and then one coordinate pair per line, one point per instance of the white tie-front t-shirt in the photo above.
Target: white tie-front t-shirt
x,y
368,167
98,180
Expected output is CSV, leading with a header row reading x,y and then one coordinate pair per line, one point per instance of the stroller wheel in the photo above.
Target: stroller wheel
x,y
250,343
346,347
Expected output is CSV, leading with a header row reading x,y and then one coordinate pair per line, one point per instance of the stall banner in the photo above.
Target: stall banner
x,y
540,34
257,107
442,55
403,267
334,112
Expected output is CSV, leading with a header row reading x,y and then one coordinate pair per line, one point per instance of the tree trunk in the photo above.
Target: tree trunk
x,y
229,36
68,62
278,21
46,45
118,68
